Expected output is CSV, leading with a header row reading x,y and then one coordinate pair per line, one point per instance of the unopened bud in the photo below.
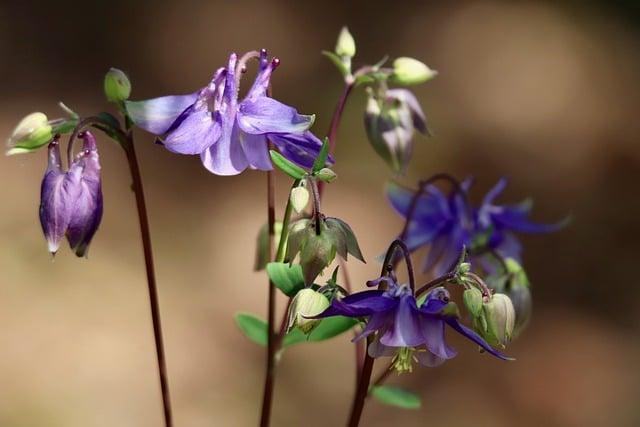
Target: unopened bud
x,y
472,299
33,131
299,198
409,71
326,175
346,45
307,303
498,320
117,86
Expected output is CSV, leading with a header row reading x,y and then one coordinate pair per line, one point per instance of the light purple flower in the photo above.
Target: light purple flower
x,y
229,135
71,201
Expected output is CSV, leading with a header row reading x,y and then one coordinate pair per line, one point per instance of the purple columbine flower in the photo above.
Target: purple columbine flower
x,y
229,135
405,330
448,223
71,201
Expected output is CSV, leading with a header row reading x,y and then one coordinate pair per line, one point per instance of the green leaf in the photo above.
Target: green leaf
x,y
327,329
262,244
109,119
321,159
338,62
396,396
287,278
253,328
291,169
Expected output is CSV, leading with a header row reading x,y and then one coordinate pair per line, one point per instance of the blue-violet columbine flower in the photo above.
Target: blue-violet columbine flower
x,y
71,201
403,329
229,135
447,223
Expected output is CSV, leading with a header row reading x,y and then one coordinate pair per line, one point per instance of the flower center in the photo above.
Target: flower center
x,y
403,360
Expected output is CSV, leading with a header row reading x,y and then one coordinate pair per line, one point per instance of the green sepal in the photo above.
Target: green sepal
x,y
254,328
338,62
286,166
288,278
472,299
345,239
396,396
328,328
321,158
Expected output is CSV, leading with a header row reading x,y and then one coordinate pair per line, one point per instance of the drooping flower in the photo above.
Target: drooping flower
x,y
71,201
405,330
390,121
447,223
229,135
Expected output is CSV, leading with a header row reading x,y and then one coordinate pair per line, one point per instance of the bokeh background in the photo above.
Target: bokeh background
x,y
545,93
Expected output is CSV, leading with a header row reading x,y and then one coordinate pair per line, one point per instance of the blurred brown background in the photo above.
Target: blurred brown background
x,y
545,93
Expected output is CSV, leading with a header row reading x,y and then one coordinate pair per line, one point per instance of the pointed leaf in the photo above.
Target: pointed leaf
x,y
262,244
287,278
286,166
337,61
253,328
321,159
396,396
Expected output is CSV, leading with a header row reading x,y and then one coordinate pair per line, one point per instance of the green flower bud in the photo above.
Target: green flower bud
x,y
472,299
33,132
326,175
117,86
409,71
299,198
346,45
497,321
307,303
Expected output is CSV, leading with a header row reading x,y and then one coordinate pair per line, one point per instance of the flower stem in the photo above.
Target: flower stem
x,y
151,277
363,389
274,338
267,395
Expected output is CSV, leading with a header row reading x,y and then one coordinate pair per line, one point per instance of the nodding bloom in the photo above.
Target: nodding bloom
x,y
447,224
390,121
230,135
404,329
71,201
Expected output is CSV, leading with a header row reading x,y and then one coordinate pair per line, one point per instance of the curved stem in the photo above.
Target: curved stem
x,y
436,282
151,277
335,124
117,134
388,265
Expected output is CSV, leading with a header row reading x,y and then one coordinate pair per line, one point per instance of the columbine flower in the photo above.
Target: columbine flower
x,y
229,135
447,224
403,329
71,201
390,121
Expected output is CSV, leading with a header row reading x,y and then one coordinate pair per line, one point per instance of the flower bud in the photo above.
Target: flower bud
x,y
390,122
299,198
117,86
33,132
71,201
307,303
326,175
346,45
472,299
497,320
87,208
409,71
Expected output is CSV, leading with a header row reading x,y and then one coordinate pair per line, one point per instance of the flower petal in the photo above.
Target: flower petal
x,y
87,207
256,149
405,331
468,333
158,114
360,304
266,115
433,332
197,132
226,156
301,149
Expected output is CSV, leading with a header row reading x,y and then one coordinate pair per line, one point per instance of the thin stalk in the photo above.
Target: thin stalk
x,y
267,395
151,277
274,339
